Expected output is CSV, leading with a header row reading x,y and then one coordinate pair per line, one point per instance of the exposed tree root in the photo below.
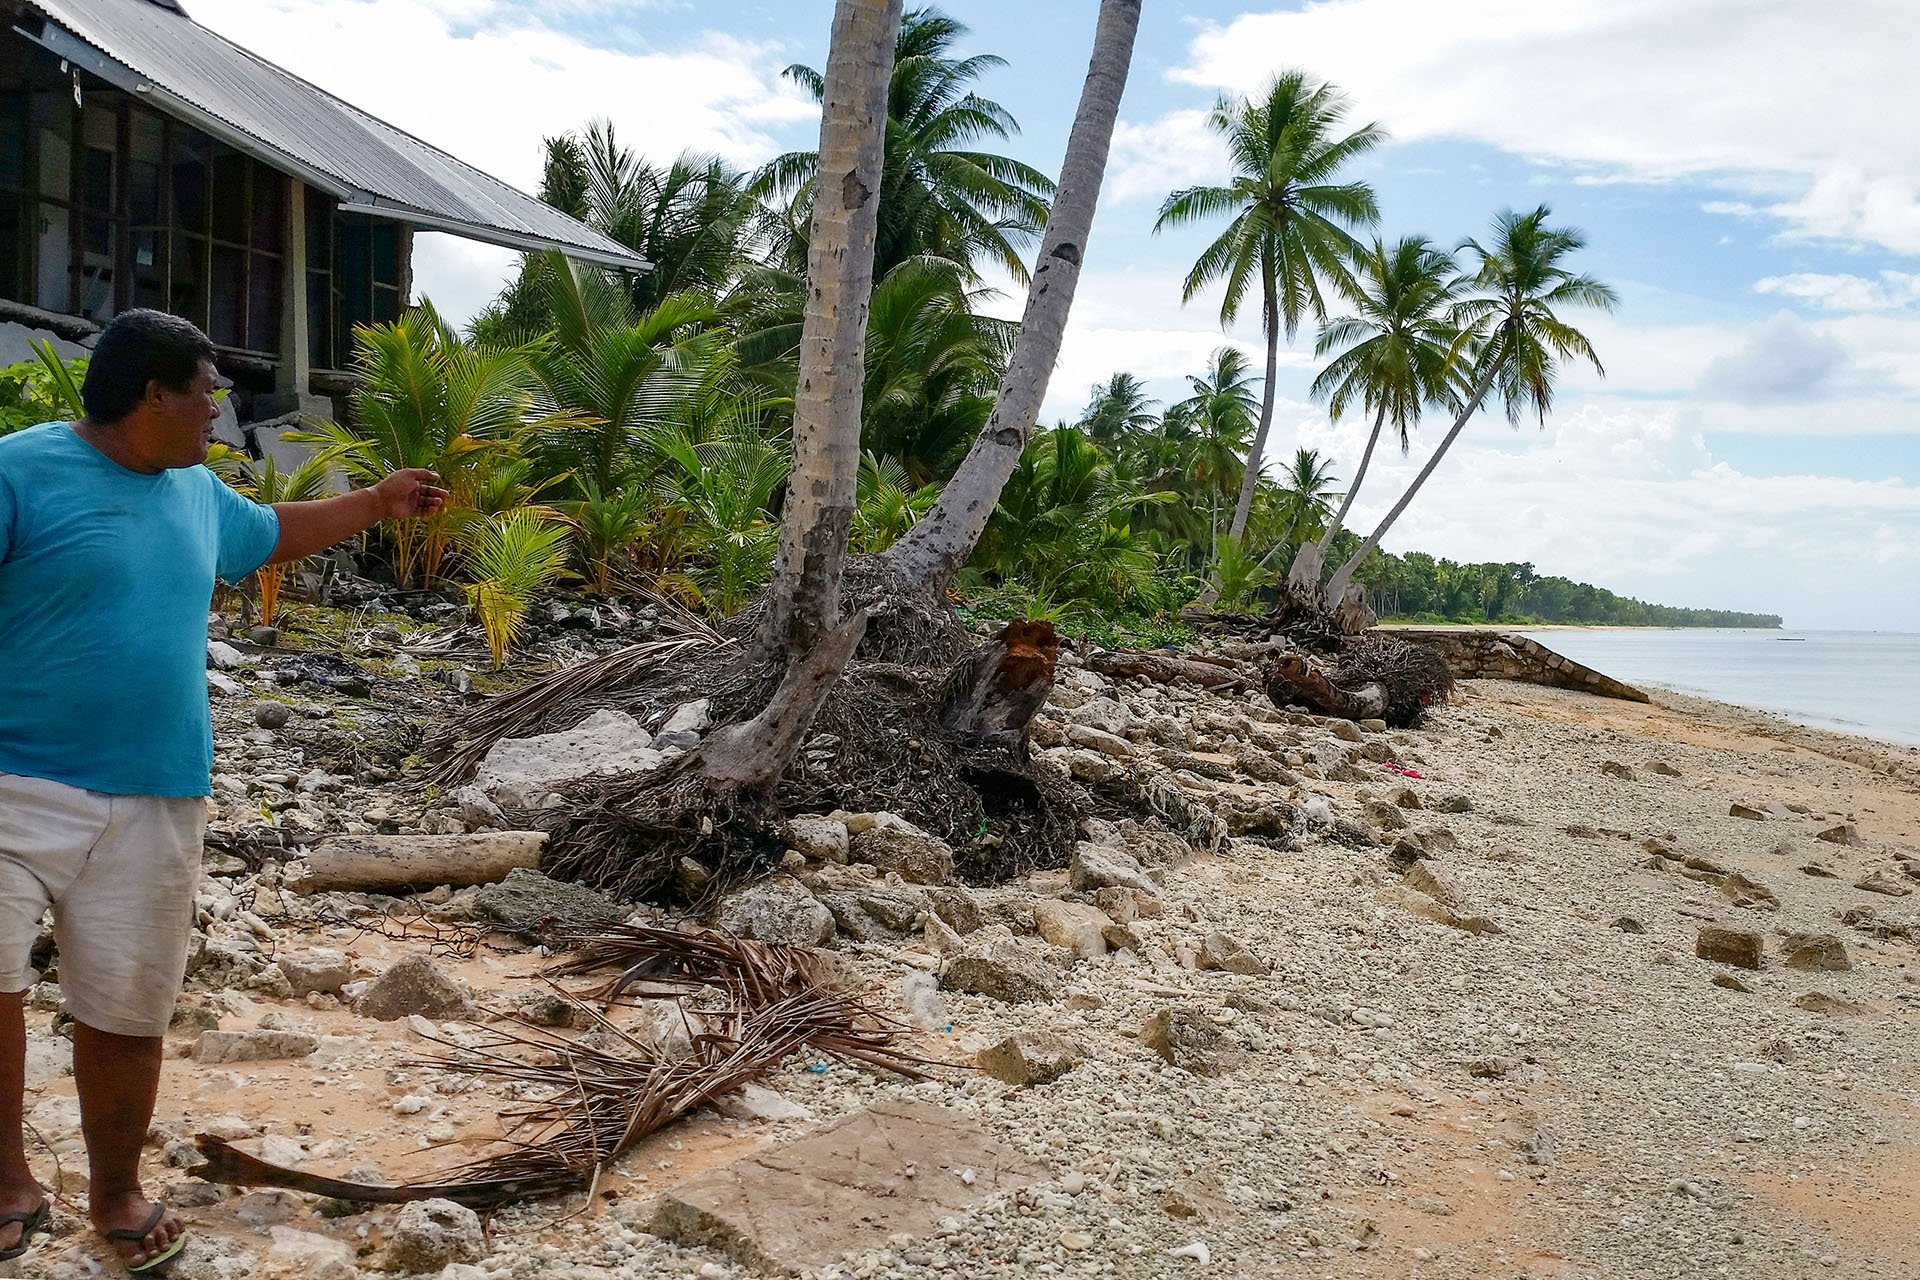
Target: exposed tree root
x,y
1372,676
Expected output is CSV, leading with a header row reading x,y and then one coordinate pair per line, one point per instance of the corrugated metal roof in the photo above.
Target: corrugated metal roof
x,y
362,160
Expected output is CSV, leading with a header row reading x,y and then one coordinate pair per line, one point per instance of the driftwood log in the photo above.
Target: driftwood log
x,y
1371,677
1293,677
995,691
1167,668
387,862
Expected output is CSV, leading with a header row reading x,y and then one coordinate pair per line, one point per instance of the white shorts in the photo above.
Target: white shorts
x,y
119,873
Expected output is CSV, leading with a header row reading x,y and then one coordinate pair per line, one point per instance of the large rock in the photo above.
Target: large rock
x,y
996,966
1097,866
1190,1040
1845,833
1817,952
820,839
311,1255
1074,926
1092,739
529,903
900,910
905,850
524,773
1743,948
316,970
252,1046
894,1170
1439,883
1226,954
1883,881
431,1234
1108,715
414,985
778,911
1385,817
1029,1057
957,907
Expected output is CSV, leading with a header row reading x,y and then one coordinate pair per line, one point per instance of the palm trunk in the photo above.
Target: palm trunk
x,y
933,551
1337,587
1250,482
1304,578
803,624
804,600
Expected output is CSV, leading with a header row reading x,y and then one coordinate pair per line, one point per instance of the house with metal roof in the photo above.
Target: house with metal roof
x,y
146,161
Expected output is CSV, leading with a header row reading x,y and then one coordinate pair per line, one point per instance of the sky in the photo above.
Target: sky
x,y
1743,170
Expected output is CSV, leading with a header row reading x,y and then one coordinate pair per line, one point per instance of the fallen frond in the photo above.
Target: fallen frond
x,y
565,697
601,1093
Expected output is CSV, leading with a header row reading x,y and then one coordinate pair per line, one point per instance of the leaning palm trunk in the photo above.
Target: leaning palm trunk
x,y
1337,586
932,553
1250,481
1303,579
804,600
803,624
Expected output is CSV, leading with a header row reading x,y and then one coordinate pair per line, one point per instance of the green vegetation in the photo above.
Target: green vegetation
x,y
43,389
636,431
1419,588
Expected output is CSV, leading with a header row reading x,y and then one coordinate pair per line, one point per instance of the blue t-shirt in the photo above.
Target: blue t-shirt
x,y
106,576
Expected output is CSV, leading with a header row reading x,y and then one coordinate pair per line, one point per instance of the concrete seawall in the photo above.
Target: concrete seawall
x,y
1475,654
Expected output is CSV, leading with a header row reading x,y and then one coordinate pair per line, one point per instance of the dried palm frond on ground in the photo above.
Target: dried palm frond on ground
x,y
568,695
609,1091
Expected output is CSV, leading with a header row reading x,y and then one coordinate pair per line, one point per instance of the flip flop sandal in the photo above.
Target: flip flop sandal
x,y
159,1263
32,1222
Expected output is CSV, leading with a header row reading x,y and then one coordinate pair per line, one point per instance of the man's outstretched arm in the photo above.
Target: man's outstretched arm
x,y
310,527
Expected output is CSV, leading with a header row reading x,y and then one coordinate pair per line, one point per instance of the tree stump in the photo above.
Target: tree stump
x,y
994,692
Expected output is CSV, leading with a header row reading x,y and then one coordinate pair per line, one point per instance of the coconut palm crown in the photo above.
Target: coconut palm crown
x,y
939,196
1291,218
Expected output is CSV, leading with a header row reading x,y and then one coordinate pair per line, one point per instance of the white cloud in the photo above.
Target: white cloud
x,y
460,277
1631,499
1893,291
1647,89
1782,361
1177,150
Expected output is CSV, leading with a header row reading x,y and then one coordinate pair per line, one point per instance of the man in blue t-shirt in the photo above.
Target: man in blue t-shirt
x,y
111,535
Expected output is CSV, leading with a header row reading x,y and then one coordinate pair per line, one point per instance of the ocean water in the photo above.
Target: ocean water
x,y
1860,682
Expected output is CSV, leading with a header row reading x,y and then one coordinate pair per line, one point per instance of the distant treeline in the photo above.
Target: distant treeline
x,y
1421,588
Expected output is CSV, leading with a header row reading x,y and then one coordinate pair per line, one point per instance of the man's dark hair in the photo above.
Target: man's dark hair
x,y
137,348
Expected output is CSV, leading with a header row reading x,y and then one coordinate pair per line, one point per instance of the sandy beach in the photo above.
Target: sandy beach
x,y
1570,1092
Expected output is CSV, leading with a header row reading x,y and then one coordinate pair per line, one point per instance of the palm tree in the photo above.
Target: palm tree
x,y
938,195
1216,419
691,218
1303,501
804,632
1290,220
932,366
1117,409
424,398
610,370
1513,335
266,484
1395,357
1063,526
716,493
927,559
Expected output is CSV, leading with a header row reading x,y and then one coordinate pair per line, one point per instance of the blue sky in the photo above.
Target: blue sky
x,y
1742,168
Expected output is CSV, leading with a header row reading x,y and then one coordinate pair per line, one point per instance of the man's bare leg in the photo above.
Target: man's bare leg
x,y
118,1078
19,1192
